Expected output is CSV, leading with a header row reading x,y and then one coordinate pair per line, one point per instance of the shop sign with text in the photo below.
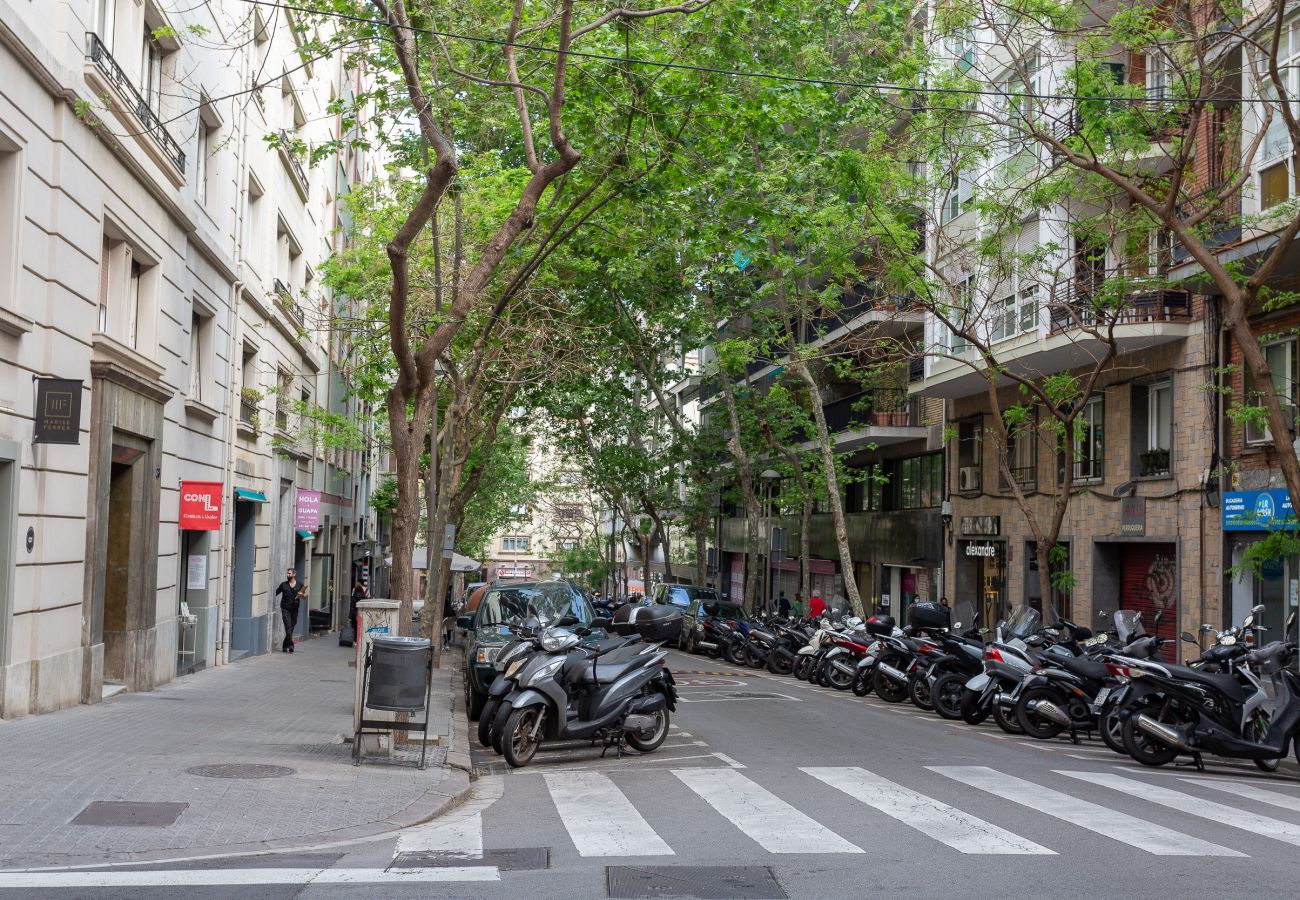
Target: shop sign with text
x,y
200,506
982,549
307,513
1258,511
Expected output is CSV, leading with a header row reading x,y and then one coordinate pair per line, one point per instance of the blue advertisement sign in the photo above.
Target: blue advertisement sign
x,y
1258,511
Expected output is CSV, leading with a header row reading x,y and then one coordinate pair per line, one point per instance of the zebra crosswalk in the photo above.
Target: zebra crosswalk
x,y
602,818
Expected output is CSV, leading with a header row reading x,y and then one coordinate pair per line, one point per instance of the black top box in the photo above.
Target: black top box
x,y
660,622
924,614
880,625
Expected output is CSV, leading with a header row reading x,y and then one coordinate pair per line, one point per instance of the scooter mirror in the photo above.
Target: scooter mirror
x,y
1258,609
1188,637
1248,621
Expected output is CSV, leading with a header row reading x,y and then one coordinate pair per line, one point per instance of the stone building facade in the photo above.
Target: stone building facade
x,y
157,249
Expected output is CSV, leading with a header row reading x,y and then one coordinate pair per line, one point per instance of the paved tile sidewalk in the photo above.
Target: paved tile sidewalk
x,y
281,710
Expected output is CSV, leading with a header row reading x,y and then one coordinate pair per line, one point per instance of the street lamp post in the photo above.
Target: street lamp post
x,y
769,476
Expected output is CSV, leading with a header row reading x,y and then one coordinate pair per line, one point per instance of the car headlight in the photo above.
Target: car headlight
x,y
485,655
515,667
545,671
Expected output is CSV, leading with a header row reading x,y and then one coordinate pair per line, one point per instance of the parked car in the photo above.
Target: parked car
x,y
699,613
489,627
683,595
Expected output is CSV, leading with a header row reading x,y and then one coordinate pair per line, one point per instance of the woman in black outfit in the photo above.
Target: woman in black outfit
x,y
290,593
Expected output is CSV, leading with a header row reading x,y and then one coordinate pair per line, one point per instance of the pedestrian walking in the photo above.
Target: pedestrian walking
x,y
448,619
816,606
358,594
799,609
783,606
290,593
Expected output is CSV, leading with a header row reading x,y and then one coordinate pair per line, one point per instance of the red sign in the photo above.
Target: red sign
x,y
201,505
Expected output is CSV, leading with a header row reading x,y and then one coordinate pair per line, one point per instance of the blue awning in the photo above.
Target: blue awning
x,y
246,494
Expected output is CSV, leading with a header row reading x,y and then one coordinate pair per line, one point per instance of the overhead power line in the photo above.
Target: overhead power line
x,y
714,70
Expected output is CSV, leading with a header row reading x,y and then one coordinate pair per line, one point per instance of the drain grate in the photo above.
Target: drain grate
x,y
516,859
127,812
703,882
239,770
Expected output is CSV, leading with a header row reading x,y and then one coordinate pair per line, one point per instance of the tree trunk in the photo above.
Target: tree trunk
x,y
408,436
752,508
832,483
701,550
805,572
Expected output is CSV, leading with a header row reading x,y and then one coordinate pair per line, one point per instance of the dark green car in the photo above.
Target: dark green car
x,y
488,631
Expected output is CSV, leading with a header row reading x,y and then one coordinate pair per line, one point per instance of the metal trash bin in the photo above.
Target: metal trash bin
x,y
397,673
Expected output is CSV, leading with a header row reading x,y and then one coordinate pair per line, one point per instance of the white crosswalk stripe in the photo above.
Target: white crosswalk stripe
x,y
1107,822
599,817
1249,792
944,823
774,824
1231,816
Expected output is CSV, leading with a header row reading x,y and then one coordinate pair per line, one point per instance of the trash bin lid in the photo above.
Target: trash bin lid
x,y
401,643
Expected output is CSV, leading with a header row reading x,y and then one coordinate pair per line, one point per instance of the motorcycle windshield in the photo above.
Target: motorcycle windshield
x,y
1128,625
1023,622
963,616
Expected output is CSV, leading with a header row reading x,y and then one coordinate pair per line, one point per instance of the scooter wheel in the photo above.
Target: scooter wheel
x,y
518,744
499,725
918,690
647,742
1006,719
972,712
780,661
485,721
863,682
1032,723
1144,748
946,694
889,690
1111,727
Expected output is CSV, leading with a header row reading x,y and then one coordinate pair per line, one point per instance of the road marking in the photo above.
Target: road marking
x,y
1107,822
460,832
1249,792
729,761
599,817
944,823
774,824
222,877
1231,816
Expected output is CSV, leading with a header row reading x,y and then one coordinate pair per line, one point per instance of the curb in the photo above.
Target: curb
x,y
448,794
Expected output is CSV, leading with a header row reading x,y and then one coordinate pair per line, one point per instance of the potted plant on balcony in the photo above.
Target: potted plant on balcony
x,y
1155,461
249,398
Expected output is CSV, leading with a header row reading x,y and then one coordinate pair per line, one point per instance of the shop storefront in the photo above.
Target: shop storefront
x,y
1248,516
981,568
200,522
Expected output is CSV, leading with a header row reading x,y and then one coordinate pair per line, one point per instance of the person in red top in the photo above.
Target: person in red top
x,y
816,606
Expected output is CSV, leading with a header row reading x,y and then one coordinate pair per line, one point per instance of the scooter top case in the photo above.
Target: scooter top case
x,y
659,622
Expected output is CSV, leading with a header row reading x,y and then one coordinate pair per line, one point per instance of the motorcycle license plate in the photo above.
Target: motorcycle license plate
x,y
978,683
1101,697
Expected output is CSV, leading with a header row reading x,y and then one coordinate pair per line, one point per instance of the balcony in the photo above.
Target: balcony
x,y
1076,336
1152,117
288,301
873,418
107,71
1158,305
301,184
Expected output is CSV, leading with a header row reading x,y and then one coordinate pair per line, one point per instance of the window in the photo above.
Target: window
x,y
567,513
1158,80
127,289
1274,185
251,386
1153,427
1282,361
10,217
964,293
1022,454
919,482
970,454
1088,440
151,66
284,387
519,509
962,45
516,544
253,227
200,354
961,196
105,19
205,152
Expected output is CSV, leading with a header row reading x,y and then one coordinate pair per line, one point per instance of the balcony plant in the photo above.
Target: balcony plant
x,y
1155,461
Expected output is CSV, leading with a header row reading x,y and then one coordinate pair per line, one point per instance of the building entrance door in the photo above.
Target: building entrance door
x,y
124,581
242,639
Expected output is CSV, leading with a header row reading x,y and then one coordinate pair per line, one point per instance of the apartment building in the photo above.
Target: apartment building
x,y
1141,527
161,328
891,447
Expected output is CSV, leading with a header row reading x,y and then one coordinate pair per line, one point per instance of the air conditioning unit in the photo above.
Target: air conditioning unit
x,y
968,478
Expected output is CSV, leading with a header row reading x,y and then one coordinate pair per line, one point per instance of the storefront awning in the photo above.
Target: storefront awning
x,y
246,494
306,535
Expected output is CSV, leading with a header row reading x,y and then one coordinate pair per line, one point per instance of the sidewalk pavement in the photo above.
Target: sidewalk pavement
x,y
280,710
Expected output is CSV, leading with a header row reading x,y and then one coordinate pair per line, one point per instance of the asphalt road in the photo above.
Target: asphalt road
x,y
799,792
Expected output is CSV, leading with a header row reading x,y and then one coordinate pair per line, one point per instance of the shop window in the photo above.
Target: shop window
x,y
1282,362
1089,444
1153,428
970,454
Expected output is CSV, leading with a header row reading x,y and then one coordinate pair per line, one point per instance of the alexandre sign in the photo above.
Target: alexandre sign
x,y
985,549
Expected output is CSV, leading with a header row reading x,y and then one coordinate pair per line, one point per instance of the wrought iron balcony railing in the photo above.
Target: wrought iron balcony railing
x,y
286,147
111,71
287,298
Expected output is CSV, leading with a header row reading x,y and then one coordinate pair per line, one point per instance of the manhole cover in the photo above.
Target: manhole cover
x,y
239,770
126,812
704,882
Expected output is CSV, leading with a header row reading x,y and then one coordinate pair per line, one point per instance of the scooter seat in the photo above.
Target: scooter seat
x,y
607,672
1083,667
1227,684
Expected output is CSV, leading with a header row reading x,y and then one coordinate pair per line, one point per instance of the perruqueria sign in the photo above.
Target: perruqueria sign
x,y
1258,511
984,549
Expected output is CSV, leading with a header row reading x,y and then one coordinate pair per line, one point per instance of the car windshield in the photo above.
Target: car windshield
x,y
682,596
1023,622
545,601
